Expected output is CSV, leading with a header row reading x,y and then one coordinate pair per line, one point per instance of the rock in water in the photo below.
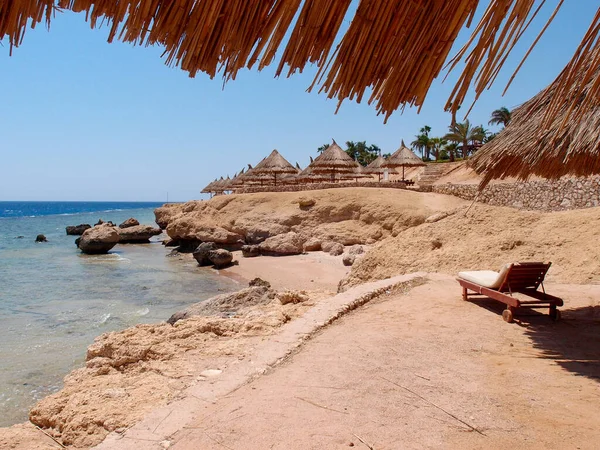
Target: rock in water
x,y
202,251
77,230
131,222
137,234
98,240
250,251
220,257
41,238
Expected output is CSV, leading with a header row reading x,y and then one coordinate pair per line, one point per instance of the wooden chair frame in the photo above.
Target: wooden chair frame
x,y
522,278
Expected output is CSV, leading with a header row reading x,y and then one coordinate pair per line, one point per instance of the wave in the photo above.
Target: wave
x,y
104,318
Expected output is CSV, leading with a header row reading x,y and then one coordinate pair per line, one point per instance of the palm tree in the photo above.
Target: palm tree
x,y
323,147
437,144
451,148
466,135
422,144
500,117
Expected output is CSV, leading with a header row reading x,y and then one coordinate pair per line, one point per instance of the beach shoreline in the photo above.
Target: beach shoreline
x,y
318,272
143,373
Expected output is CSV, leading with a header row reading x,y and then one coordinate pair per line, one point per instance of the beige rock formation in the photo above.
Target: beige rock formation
x,y
348,216
99,239
137,234
283,244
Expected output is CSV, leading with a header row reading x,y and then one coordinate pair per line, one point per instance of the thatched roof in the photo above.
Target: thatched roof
x,y
209,187
274,164
530,145
309,176
393,49
403,157
376,166
333,160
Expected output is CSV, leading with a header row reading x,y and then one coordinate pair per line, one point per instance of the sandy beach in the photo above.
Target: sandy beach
x,y
383,354
315,271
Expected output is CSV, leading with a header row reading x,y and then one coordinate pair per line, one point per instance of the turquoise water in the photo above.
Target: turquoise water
x,y
54,300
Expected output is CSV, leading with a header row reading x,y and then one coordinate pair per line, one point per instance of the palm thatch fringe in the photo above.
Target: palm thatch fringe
x,y
531,146
393,48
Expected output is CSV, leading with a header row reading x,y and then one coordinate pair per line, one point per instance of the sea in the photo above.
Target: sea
x,y
54,300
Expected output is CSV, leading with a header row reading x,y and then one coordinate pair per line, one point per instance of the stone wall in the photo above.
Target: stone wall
x,y
560,195
318,186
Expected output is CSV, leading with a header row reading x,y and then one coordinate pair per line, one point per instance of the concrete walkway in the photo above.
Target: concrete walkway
x,y
423,369
157,428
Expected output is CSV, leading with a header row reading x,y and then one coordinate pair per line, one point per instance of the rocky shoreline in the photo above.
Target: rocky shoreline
x,y
102,237
147,366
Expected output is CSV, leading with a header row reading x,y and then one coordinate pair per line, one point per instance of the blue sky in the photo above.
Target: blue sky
x,y
81,119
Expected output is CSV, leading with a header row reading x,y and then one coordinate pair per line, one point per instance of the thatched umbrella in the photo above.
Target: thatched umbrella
x,y
274,165
208,189
403,157
309,176
530,146
333,160
359,172
376,166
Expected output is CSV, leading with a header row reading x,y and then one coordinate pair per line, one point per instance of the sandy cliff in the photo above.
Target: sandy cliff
x,y
349,216
487,237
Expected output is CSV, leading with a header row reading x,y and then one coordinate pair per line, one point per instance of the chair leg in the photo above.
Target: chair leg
x,y
554,313
508,314
464,294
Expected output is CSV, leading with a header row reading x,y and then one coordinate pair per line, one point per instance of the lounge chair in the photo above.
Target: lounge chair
x,y
516,285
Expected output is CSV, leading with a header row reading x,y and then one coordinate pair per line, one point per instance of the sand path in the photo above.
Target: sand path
x,y
423,370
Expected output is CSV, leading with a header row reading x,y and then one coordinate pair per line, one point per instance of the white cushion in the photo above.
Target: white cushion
x,y
486,278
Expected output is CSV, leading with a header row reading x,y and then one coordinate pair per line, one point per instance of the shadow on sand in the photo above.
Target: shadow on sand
x,y
573,342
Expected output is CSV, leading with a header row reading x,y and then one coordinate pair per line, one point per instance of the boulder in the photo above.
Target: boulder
x,y
97,240
312,245
102,222
227,304
77,230
348,259
137,234
283,244
286,297
41,238
305,202
202,251
220,257
337,249
170,243
131,222
259,282
250,251
326,246
356,250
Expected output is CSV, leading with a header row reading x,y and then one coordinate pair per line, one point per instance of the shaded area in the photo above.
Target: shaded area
x,y
573,343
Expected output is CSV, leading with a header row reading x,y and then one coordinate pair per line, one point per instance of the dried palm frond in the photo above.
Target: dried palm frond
x,y
393,49
530,145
